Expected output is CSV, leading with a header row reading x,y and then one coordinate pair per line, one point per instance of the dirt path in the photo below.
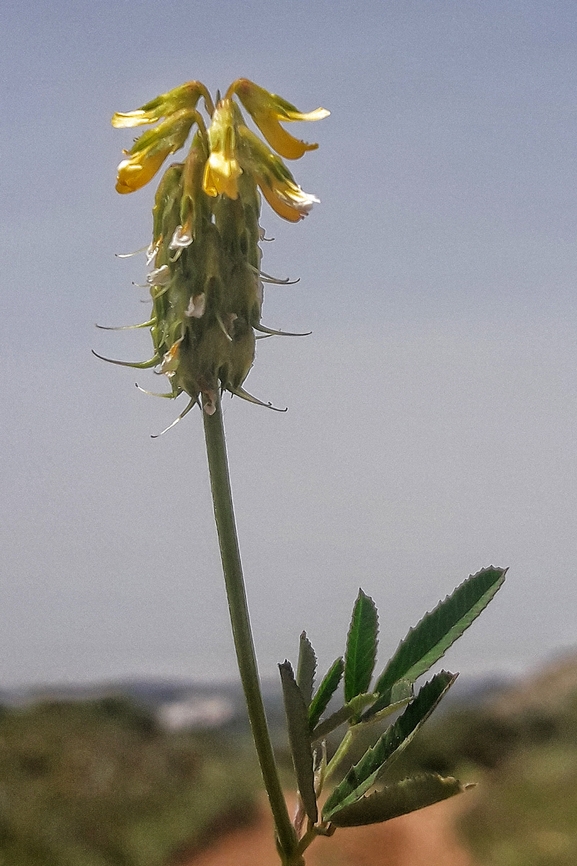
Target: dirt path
x,y
424,838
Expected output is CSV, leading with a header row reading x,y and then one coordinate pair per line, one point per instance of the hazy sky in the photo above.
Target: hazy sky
x,y
432,413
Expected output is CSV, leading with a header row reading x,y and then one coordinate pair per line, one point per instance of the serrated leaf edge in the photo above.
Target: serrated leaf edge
x,y
413,672
362,784
448,786
359,671
327,687
306,668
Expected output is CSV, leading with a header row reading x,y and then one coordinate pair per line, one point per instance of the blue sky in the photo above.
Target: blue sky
x,y
431,423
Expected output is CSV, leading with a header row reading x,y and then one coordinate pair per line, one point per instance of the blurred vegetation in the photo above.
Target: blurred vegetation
x,y
522,748
98,783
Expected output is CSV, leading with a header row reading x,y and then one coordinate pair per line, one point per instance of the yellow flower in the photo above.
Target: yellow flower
x,y
185,96
276,182
288,200
205,280
222,169
267,109
136,171
151,149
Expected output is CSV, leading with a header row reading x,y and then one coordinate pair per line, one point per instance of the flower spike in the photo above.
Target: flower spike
x,y
204,261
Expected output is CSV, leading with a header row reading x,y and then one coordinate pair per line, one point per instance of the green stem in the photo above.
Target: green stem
x,y
241,628
310,835
340,753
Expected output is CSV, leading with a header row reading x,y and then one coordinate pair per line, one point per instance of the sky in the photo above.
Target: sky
x,y
432,412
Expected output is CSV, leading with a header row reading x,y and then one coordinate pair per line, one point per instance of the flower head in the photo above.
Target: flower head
x,y
205,278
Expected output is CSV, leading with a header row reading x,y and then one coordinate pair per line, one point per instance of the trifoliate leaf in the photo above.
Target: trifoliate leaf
x,y
363,775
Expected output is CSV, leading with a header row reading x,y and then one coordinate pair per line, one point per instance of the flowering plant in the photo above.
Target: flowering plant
x,y
206,286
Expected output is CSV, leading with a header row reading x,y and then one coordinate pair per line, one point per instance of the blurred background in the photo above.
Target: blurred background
x,y
431,418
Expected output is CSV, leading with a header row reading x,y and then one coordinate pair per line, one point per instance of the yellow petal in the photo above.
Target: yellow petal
x,y
130,119
220,176
285,144
222,169
267,109
255,98
317,114
135,172
151,149
280,206
184,97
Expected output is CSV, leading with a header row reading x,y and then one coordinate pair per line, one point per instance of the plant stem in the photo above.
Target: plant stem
x,y
241,628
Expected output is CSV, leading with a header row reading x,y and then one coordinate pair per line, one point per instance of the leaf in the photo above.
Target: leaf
x,y
346,712
428,641
400,698
361,647
402,690
306,668
398,799
299,739
325,692
363,775
402,693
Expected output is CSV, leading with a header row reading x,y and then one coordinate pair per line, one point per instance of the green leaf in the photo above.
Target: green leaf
x,y
398,799
325,692
346,712
428,641
363,775
306,668
402,690
299,739
361,647
403,693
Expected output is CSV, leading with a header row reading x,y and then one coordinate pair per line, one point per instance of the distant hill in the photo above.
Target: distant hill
x,y
176,704
547,688
180,704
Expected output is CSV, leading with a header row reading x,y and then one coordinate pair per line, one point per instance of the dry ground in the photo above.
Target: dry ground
x,y
424,838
